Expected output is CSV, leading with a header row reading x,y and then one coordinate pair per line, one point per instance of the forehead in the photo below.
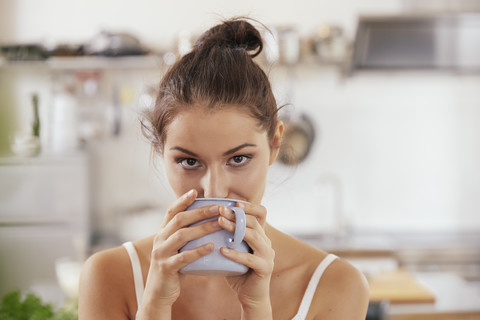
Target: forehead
x,y
225,127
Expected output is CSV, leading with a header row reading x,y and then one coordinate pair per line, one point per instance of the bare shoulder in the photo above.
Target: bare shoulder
x,y
106,285
107,266
342,293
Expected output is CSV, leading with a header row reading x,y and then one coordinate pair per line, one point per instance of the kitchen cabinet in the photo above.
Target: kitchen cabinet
x,y
91,105
44,216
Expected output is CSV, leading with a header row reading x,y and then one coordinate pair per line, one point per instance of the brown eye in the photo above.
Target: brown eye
x,y
238,161
188,163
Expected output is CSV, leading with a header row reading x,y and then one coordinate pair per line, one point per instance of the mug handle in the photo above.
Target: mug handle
x,y
240,226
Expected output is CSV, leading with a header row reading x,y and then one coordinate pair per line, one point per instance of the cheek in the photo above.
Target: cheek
x,y
179,184
251,185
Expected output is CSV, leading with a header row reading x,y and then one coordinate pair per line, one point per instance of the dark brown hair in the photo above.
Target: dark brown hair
x,y
218,72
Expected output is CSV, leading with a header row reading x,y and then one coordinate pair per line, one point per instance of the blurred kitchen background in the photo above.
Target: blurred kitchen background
x,y
382,152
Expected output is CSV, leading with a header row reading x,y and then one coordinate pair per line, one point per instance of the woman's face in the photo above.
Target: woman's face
x,y
221,154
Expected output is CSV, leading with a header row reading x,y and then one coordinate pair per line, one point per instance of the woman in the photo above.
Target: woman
x,y
215,125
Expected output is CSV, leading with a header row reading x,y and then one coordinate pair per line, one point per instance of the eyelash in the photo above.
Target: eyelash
x,y
182,160
246,159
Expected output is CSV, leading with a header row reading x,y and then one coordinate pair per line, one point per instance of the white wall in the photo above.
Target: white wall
x,y
159,22
400,151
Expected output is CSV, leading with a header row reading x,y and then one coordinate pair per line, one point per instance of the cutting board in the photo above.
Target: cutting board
x,y
397,287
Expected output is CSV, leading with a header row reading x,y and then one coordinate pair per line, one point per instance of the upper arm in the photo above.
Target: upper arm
x,y
342,294
103,287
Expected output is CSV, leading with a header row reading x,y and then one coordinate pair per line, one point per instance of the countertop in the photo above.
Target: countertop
x,y
455,298
445,263
392,241
457,252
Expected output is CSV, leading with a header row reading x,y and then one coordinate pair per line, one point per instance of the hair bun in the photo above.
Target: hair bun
x,y
235,33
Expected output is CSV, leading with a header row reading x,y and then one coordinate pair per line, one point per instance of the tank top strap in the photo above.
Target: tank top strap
x,y
312,287
302,310
137,271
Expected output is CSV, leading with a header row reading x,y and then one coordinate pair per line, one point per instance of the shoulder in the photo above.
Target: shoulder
x,y
342,293
108,262
291,253
105,285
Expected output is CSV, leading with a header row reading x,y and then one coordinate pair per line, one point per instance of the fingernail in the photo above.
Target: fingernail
x,y
241,205
226,221
214,209
190,193
229,213
225,250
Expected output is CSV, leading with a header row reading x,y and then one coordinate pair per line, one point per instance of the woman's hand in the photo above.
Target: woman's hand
x,y
163,283
253,288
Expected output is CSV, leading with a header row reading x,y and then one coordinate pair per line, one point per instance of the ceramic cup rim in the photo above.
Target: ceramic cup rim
x,y
219,199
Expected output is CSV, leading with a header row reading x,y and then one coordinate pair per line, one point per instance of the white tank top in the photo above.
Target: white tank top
x,y
302,310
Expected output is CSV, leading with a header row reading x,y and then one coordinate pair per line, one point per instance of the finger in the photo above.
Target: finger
x,y
184,235
258,211
251,222
227,213
180,260
187,218
261,265
258,214
179,205
254,234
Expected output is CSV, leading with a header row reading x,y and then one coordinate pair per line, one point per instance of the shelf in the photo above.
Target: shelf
x,y
90,63
145,62
43,159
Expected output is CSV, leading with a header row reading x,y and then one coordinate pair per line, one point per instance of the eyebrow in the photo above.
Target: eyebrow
x,y
239,148
233,150
193,154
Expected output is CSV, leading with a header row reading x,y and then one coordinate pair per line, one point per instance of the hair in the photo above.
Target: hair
x,y
219,72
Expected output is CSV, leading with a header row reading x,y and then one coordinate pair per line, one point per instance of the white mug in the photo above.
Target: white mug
x,y
215,263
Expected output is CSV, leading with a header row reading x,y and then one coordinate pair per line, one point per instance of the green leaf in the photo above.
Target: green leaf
x,y
31,308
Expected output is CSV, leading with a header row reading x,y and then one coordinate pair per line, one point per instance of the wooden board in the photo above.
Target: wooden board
x,y
437,316
398,287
